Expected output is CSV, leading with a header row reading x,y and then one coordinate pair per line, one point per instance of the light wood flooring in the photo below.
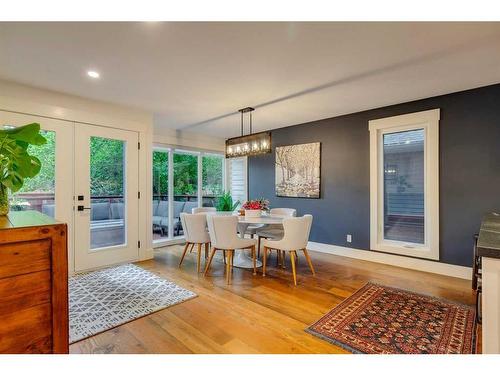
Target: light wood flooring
x,y
257,314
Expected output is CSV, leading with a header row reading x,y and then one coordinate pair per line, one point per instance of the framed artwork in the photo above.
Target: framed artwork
x,y
298,170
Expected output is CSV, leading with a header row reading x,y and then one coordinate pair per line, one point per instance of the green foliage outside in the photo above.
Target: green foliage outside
x,y
106,170
44,181
212,175
186,174
106,166
160,175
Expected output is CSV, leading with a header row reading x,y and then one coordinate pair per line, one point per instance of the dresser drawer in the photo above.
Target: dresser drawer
x,y
24,257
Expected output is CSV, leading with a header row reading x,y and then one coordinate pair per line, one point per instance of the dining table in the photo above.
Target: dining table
x,y
242,259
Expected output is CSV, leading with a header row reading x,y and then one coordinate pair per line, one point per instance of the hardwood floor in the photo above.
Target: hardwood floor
x,y
257,314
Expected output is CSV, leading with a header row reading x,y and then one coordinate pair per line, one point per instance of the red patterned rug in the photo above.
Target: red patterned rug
x,y
382,320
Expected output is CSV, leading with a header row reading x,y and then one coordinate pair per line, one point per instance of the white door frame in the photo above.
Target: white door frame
x,y
63,165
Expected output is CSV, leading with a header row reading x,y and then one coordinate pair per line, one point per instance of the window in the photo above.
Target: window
x,y
38,193
404,184
212,178
160,194
107,182
182,180
237,178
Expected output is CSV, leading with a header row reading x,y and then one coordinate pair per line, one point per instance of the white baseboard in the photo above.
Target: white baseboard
x,y
394,260
173,241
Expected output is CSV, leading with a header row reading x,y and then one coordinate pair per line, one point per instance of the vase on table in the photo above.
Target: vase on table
x,y
253,213
4,200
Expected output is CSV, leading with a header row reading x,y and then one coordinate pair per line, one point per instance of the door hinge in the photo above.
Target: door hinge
x,y
139,244
139,195
138,145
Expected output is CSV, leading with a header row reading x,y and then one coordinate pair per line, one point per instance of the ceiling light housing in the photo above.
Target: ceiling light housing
x,y
248,145
93,74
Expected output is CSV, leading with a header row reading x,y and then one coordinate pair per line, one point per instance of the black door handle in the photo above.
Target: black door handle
x,y
81,208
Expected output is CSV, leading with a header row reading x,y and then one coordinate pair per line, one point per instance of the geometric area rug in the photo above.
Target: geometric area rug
x,y
382,320
101,300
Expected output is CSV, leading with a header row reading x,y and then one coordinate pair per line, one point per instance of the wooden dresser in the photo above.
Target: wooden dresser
x,y
33,284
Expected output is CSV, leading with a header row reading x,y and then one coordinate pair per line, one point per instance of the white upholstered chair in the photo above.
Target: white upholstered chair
x,y
199,210
223,236
296,235
274,231
195,233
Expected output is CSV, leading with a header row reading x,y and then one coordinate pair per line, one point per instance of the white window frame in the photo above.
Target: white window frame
x,y
429,121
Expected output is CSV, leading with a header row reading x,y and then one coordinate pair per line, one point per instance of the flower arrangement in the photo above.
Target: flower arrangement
x,y
256,204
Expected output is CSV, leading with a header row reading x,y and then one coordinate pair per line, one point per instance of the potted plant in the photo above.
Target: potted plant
x,y
254,208
16,163
225,203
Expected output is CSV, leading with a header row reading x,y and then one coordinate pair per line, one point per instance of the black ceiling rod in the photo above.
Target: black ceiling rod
x,y
242,123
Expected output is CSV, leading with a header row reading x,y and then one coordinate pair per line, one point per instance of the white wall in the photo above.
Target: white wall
x,y
164,135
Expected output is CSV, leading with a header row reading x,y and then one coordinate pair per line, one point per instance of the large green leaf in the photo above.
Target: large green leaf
x,y
26,135
16,163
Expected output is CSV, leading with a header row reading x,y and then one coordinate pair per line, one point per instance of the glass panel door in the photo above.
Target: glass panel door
x,y
212,178
50,191
107,185
106,196
160,195
185,186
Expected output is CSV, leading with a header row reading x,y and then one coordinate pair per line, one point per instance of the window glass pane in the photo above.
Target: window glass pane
x,y
404,186
160,195
238,181
107,226
185,187
38,193
212,166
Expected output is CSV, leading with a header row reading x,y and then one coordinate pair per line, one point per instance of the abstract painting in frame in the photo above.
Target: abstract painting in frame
x,y
298,170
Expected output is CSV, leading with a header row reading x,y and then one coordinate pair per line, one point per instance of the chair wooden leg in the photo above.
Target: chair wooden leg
x,y
206,249
264,261
258,246
184,253
254,259
283,259
228,266
308,258
207,267
199,258
232,262
292,260
224,255
192,247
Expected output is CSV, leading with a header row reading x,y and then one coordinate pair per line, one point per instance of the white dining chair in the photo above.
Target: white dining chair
x,y
199,210
195,233
223,236
274,231
295,237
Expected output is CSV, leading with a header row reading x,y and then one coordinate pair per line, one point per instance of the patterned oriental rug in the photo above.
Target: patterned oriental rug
x,y
382,320
104,299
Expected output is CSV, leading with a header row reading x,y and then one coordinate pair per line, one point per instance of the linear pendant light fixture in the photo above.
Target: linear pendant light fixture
x,y
248,145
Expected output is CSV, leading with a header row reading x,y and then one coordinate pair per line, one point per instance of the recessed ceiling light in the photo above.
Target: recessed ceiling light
x,y
93,74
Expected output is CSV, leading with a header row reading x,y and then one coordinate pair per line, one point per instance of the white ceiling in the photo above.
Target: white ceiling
x,y
194,76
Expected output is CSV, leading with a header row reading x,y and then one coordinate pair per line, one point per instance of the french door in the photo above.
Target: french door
x,y
106,196
51,191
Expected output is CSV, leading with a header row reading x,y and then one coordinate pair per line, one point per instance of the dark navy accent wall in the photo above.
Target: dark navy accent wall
x,y
469,170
